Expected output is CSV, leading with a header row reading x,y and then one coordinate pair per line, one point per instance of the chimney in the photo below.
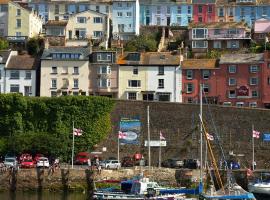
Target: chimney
x,y
46,44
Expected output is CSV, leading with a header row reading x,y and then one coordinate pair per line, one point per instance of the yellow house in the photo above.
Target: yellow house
x,y
64,71
22,21
132,78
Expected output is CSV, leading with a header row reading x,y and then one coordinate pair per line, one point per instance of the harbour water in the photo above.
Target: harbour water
x,y
60,196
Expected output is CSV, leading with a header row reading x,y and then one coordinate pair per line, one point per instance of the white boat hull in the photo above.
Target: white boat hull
x,y
259,188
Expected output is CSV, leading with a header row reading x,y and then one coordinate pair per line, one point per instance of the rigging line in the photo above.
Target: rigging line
x,y
213,158
215,130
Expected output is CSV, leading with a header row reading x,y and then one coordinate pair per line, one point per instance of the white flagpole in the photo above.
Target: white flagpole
x,y
72,155
118,148
159,160
201,134
148,133
252,148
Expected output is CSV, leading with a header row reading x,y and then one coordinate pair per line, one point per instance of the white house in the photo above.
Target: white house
x,y
20,75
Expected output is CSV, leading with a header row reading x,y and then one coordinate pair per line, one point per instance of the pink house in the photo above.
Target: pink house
x,y
204,10
261,29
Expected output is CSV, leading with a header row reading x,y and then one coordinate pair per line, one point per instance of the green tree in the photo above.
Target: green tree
x,y
142,43
213,54
3,44
34,46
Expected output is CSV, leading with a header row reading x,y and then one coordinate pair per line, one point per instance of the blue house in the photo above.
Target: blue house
x,y
250,10
125,19
165,13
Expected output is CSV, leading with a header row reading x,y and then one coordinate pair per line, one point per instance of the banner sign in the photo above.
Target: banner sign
x,y
266,137
155,143
242,91
131,128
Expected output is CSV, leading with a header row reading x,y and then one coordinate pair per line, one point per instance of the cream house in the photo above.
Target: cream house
x,y
22,22
86,25
64,71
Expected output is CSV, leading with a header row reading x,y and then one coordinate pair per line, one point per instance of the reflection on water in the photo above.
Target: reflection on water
x,y
45,195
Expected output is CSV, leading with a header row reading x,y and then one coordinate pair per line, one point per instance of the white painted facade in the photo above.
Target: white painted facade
x,y
171,80
2,66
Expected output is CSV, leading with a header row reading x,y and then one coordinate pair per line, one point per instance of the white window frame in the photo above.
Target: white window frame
x,y
253,68
13,72
194,44
253,104
232,81
188,91
137,81
232,69
54,83
253,78
81,20
98,20
76,70
240,104
227,103
13,86
189,74
136,96
206,73
27,73
75,83
205,33
257,94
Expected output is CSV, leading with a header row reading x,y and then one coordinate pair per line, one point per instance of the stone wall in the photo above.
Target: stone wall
x,y
180,126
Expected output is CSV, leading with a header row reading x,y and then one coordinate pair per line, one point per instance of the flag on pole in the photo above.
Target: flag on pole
x,y
161,137
121,135
256,134
77,132
209,137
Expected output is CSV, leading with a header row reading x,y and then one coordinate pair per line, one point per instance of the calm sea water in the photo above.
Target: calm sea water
x,y
43,196
61,196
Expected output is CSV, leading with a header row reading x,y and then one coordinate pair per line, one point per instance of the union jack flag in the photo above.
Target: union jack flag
x,y
121,135
77,132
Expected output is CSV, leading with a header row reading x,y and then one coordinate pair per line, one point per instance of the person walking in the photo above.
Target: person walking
x,y
89,163
99,169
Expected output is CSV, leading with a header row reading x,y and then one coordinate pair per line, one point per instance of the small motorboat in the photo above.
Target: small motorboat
x,y
260,185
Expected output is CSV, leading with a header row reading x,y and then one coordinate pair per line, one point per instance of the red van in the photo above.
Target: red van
x,y
81,158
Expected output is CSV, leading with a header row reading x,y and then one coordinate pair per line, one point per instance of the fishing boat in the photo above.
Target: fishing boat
x,y
260,185
231,190
143,189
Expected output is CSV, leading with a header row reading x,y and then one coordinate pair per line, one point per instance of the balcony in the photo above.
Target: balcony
x,y
246,36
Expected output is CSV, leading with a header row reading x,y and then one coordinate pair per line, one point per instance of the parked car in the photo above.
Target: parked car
x,y
127,162
25,156
43,162
37,156
191,164
112,164
10,162
27,163
81,158
172,163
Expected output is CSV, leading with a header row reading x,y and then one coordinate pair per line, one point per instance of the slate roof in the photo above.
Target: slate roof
x,y
149,59
4,54
262,26
241,58
84,51
22,62
200,64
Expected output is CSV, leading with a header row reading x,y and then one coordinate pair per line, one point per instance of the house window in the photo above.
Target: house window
x,y
205,88
158,10
18,34
98,34
232,69
54,70
232,44
230,12
168,10
253,69
119,4
97,8
199,44
65,83
189,88
254,94
232,81
107,9
227,103
104,83
14,88
18,13
216,31
217,44
179,9
119,14
148,97
134,83
80,33
200,9
18,23
75,70
189,9
53,83
161,70
65,70
53,94
242,12
14,74
129,14
132,96
81,20
104,69
56,9
210,9
160,83
239,104
128,5
253,104
253,81
135,70
205,74
75,83
264,11
232,94
178,19
75,93
199,33
27,91
221,12
158,21
200,19
98,20
28,74
189,74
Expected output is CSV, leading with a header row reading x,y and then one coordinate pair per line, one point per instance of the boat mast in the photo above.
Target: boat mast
x,y
201,130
